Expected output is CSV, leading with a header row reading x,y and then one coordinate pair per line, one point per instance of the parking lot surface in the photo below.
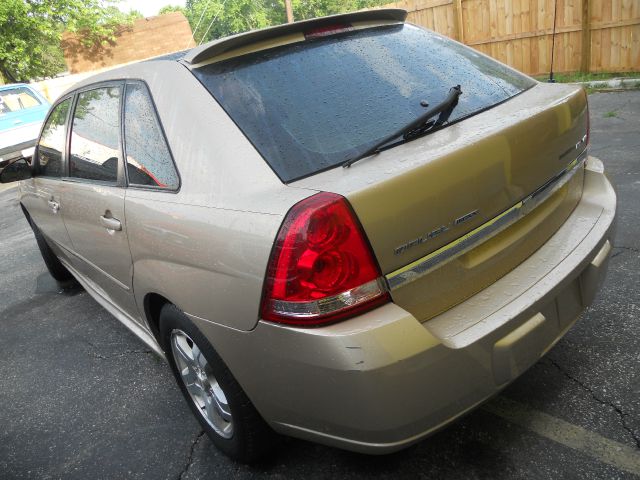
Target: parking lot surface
x,y
81,397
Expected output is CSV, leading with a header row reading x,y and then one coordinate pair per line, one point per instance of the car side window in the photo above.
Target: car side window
x,y
52,140
95,135
149,161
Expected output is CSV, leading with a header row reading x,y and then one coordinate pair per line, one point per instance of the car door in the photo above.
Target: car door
x,y
94,202
41,195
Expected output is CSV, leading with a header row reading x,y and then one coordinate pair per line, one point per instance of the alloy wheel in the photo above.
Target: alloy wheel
x,y
204,390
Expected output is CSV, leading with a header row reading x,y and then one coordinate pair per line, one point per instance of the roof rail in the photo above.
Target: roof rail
x,y
222,45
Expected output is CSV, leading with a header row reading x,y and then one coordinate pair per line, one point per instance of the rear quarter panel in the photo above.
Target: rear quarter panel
x,y
210,262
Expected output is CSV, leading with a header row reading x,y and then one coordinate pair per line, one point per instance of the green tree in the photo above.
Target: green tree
x,y
304,9
210,19
30,32
171,9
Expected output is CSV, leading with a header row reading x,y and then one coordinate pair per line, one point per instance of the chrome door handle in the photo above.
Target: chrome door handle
x,y
110,223
54,206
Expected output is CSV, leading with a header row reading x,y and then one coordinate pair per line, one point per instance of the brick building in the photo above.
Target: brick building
x,y
145,38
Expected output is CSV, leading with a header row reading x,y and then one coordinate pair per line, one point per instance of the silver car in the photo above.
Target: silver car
x,y
349,230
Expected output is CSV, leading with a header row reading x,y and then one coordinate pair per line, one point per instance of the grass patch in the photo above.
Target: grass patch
x,y
587,77
610,114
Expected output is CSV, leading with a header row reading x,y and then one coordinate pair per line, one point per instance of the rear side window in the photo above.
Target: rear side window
x,y
309,106
149,162
95,135
51,144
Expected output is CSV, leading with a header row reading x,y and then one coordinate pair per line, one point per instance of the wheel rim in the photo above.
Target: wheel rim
x,y
197,376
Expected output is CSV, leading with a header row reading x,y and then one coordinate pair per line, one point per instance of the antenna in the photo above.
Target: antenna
x,y
553,41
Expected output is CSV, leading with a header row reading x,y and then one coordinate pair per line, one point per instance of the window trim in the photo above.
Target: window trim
x,y
135,81
120,176
63,154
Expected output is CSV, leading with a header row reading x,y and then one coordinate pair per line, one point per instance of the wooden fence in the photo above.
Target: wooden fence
x,y
591,35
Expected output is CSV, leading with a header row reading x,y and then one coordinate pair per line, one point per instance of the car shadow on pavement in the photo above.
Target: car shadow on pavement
x,y
45,283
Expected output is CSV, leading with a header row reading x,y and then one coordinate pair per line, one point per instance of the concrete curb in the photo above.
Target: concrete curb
x,y
612,84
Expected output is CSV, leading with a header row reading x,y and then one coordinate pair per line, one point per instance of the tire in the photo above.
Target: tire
x,y
55,267
235,427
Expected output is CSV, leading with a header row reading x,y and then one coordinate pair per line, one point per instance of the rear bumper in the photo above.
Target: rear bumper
x,y
382,381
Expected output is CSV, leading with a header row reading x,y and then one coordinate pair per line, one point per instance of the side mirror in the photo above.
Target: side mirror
x,y
16,171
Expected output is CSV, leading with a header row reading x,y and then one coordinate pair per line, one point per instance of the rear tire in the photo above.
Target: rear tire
x,y
55,267
216,399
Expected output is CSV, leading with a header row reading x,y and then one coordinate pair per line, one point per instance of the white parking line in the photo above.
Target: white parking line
x,y
596,446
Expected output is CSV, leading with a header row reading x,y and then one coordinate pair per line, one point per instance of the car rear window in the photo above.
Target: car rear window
x,y
311,105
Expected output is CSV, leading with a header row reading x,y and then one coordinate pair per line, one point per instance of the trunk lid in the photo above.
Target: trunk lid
x,y
418,197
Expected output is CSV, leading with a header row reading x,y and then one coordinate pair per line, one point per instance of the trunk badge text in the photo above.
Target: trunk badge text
x,y
434,233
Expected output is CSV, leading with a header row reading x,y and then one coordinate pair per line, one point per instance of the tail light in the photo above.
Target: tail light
x,y
586,143
587,134
322,268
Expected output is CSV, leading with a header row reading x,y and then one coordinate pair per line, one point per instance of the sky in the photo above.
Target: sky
x,y
148,8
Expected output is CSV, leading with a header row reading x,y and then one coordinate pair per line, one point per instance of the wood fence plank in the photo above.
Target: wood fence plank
x,y
459,24
614,51
515,36
585,41
591,35
635,47
485,10
525,17
606,50
614,24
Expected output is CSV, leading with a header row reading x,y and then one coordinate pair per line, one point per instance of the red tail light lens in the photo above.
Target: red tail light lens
x,y
588,127
322,268
588,132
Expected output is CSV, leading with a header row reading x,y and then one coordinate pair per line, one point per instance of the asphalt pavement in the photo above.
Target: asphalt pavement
x,y
81,397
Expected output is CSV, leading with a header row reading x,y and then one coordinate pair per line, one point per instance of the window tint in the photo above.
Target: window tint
x,y
148,159
52,141
95,135
311,105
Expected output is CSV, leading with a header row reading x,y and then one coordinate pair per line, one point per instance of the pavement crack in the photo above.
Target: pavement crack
x,y
115,355
632,249
120,354
187,465
586,388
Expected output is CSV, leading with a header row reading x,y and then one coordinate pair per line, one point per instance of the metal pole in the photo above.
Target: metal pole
x,y
287,6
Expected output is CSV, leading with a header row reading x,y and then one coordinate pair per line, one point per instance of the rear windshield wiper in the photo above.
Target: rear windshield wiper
x,y
417,127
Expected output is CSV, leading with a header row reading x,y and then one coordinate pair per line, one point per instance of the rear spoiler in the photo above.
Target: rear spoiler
x,y
217,47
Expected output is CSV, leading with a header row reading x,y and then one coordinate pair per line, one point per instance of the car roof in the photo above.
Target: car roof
x,y
14,85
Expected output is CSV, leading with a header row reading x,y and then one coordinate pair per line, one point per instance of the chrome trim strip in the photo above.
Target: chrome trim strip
x,y
484,232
